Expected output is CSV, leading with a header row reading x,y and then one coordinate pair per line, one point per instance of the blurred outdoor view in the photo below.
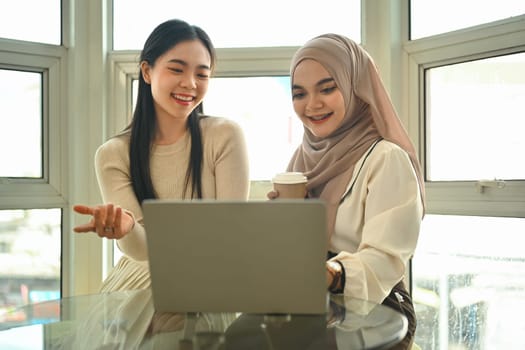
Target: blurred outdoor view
x,y
30,251
468,278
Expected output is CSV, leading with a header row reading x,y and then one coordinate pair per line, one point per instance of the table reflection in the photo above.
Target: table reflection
x,y
127,320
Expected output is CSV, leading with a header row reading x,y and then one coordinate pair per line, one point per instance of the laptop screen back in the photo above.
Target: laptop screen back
x,y
237,256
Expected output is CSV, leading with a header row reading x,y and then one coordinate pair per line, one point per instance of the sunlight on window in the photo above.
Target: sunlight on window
x,y
435,17
467,279
20,114
475,120
250,23
263,108
31,20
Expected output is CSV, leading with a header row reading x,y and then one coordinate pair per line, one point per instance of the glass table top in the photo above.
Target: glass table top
x,y
127,320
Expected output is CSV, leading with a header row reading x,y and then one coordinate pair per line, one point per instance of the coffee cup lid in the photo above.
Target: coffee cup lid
x,y
289,178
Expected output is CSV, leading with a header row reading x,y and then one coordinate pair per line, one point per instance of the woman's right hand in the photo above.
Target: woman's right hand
x,y
107,220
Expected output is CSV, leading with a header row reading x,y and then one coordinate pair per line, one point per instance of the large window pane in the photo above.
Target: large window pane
x,y
21,120
435,17
475,120
31,20
30,249
263,108
469,282
233,23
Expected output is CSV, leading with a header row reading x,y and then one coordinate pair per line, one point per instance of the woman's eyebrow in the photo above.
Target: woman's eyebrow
x,y
319,83
184,63
324,81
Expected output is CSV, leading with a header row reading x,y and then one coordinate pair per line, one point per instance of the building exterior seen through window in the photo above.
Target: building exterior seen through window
x,y
30,252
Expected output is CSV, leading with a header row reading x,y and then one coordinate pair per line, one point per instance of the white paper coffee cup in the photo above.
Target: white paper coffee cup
x,y
290,185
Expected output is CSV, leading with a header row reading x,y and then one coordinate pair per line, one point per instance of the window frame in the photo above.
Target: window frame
x,y
48,190
51,190
462,198
483,41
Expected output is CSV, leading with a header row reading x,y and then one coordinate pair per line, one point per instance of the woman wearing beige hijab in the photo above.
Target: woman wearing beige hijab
x,y
360,161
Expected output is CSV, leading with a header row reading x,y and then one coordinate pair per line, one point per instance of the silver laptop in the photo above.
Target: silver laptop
x,y
232,256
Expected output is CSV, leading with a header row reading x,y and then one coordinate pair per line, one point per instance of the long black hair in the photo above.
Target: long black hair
x,y
142,127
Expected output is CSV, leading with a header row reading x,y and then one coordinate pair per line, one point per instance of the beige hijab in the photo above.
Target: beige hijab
x,y
329,162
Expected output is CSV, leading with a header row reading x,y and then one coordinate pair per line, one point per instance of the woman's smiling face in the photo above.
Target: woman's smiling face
x,y
179,79
317,100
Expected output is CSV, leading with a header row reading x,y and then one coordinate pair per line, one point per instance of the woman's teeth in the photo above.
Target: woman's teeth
x,y
184,98
320,117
